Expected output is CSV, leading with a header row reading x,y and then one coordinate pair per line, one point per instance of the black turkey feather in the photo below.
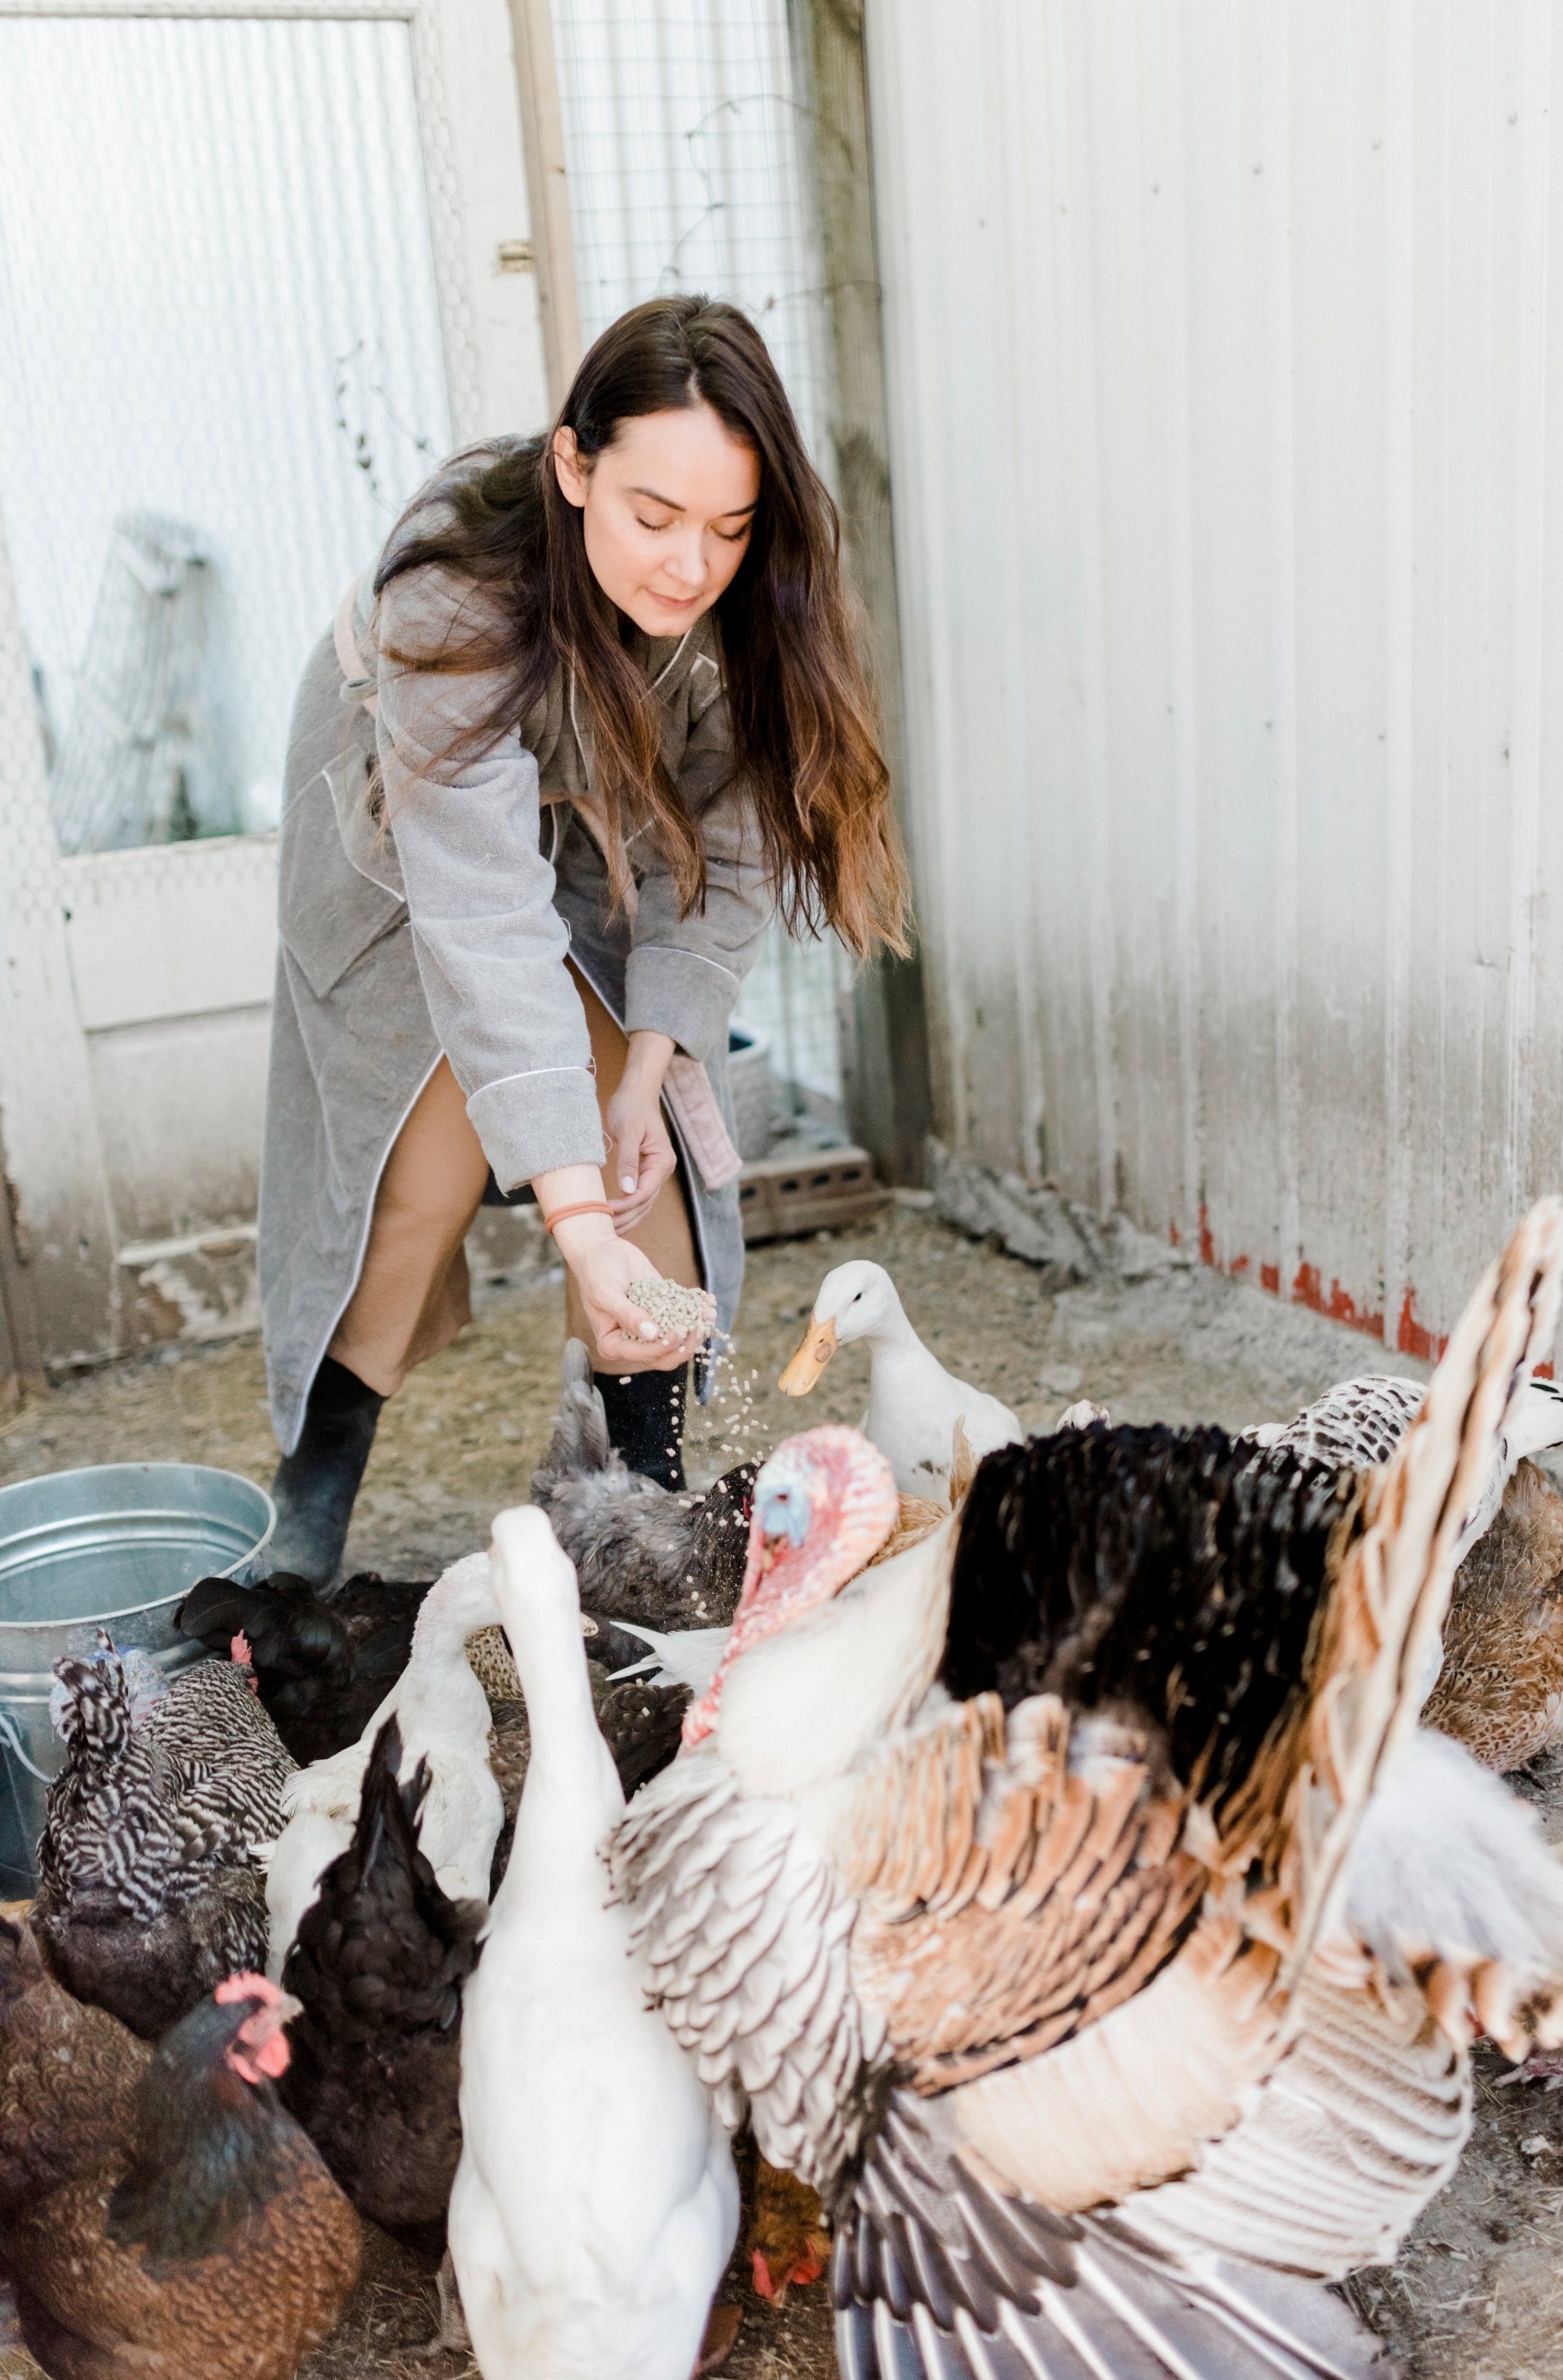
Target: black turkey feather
x,y
1145,1569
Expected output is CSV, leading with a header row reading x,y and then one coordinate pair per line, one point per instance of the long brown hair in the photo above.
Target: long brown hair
x,y
804,736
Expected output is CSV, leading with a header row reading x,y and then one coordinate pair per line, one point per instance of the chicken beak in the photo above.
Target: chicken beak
x,y
815,1352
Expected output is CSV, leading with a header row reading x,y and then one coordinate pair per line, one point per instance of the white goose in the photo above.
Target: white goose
x,y
595,2204
444,1716
913,1403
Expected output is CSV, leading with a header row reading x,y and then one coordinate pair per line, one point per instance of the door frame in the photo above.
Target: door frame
x,y
67,1241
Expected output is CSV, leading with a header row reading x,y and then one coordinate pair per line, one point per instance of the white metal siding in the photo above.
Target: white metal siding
x,y
1223,343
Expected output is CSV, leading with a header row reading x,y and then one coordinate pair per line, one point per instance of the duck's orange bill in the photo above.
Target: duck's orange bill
x,y
818,1347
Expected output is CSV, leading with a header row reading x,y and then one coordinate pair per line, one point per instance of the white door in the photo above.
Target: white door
x,y
258,273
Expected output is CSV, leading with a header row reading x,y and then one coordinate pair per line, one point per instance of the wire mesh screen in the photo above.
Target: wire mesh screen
x,y
686,158
221,375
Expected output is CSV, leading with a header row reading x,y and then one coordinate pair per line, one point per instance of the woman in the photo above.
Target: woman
x,y
598,714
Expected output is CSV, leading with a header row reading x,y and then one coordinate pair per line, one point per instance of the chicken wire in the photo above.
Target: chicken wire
x,y
687,169
220,376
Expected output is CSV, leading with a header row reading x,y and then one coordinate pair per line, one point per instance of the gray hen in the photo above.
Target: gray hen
x,y
640,1551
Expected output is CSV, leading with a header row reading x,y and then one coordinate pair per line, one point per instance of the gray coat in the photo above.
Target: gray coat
x,y
444,928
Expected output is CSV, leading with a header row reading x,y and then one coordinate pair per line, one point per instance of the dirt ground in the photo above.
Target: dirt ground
x,y
1478,2289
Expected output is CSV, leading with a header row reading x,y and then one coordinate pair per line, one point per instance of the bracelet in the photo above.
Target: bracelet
x,y
584,1207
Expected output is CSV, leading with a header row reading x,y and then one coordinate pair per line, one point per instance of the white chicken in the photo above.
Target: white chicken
x,y
595,2204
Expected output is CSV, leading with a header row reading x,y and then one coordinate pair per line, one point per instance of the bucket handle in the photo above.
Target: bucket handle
x,y
10,1736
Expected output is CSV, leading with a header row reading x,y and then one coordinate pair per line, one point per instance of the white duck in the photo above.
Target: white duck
x,y
444,1716
913,1403
595,2204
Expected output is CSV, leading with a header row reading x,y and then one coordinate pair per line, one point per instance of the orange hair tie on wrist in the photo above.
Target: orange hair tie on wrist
x,y
584,1207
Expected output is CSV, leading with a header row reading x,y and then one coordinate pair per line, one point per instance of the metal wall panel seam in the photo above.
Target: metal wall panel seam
x,y
1173,339
1014,216
1082,338
1529,444
1399,193
1283,702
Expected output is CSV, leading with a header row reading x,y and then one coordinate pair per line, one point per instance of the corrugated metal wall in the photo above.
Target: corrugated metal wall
x,y
1225,382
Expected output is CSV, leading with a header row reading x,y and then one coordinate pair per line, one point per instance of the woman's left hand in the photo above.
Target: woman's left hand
x,y
642,1157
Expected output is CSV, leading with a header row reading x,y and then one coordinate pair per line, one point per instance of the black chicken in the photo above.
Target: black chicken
x,y
378,1967
324,1665
641,1552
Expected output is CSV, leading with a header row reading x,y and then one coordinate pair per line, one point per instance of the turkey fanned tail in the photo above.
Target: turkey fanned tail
x,y
939,2276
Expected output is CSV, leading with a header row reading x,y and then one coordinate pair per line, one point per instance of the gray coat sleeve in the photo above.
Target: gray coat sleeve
x,y
684,974
491,945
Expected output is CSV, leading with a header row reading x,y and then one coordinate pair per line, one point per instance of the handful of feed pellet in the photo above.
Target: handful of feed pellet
x,y
672,1308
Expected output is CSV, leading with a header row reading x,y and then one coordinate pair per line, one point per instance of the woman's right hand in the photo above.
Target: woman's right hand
x,y
603,1266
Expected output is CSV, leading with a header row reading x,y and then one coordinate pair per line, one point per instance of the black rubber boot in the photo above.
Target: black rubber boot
x,y
316,1484
646,1421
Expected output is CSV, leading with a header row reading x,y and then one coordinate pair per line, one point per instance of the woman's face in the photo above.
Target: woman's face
x,y
667,511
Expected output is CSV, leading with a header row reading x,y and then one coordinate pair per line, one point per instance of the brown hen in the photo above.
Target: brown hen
x,y
159,2212
1500,1689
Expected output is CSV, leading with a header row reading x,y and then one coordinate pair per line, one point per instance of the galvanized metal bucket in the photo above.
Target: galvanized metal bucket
x,y
116,1547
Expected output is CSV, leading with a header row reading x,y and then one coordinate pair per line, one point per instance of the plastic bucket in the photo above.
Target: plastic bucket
x,y
115,1547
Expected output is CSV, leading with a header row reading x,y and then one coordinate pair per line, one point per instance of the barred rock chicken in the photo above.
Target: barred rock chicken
x,y
999,1884
323,1663
378,1971
1360,1422
1499,1669
159,2213
148,1890
641,1552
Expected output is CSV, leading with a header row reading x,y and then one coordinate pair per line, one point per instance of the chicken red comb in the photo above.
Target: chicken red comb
x,y
239,1648
247,1987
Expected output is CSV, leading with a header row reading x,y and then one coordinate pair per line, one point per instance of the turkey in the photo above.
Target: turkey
x,y
999,1883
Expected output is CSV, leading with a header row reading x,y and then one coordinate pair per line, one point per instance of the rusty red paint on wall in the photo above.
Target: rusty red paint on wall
x,y
1413,1338
1340,1306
